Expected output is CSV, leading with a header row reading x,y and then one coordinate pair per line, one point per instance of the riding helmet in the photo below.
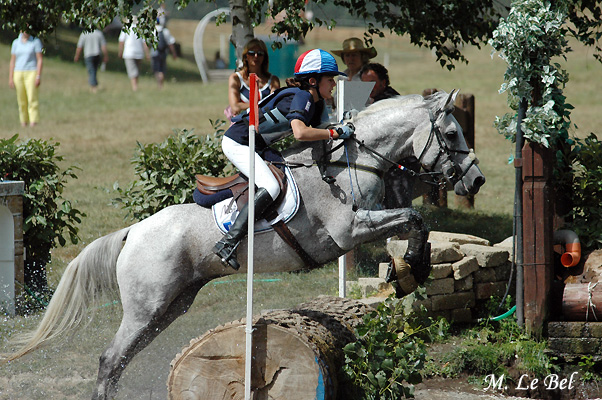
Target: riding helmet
x,y
317,61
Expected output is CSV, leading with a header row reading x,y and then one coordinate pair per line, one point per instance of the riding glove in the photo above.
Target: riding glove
x,y
345,131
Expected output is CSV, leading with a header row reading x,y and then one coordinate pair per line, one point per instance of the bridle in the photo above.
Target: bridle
x,y
450,168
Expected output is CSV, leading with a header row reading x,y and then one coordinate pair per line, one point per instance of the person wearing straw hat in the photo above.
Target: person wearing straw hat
x,y
300,108
355,56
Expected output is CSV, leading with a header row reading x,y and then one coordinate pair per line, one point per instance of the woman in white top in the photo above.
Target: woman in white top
x,y
255,60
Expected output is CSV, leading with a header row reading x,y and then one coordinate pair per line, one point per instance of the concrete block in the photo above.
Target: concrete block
x,y
382,270
484,275
459,238
461,315
445,252
487,256
465,267
440,286
441,271
575,329
464,284
372,285
397,248
453,301
484,291
575,345
502,272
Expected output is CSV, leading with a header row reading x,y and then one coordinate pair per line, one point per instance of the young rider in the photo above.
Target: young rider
x,y
300,109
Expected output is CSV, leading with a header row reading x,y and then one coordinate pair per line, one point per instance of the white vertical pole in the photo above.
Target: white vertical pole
x,y
342,261
251,234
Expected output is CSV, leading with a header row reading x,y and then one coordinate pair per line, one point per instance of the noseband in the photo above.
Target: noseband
x,y
450,169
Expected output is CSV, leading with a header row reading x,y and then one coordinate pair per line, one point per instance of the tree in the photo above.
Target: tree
x,y
442,25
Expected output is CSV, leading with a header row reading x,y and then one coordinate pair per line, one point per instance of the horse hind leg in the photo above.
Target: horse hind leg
x,y
133,335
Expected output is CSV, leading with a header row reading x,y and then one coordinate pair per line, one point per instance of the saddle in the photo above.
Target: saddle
x,y
239,185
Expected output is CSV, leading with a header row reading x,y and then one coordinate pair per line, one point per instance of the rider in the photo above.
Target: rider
x,y
298,108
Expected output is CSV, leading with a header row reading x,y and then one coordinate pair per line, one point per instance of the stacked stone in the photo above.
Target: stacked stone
x,y
467,271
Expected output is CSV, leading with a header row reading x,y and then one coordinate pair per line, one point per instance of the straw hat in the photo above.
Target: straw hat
x,y
352,45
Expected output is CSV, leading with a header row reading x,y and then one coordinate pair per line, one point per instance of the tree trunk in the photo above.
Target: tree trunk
x,y
242,28
582,302
297,354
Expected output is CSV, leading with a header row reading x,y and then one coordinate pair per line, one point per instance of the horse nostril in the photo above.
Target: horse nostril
x,y
479,181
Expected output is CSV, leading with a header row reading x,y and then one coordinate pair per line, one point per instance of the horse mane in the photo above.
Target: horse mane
x,y
430,102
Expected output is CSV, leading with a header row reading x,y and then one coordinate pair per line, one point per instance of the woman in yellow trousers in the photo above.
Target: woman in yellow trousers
x,y
24,76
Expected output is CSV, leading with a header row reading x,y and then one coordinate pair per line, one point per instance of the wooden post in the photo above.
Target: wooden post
x,y
538,208
465,114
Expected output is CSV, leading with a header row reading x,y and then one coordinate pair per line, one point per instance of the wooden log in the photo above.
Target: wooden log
x,y
582,302
297,354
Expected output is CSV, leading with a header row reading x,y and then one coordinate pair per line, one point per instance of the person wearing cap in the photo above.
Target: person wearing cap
x,y
354,56
377,73
300,108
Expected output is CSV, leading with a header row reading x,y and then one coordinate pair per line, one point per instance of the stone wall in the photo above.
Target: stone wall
x,y
11,207
467,271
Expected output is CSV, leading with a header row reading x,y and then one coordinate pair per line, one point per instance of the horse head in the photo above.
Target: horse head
x,y
442,147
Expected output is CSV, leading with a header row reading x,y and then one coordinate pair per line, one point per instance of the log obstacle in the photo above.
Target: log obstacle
x,y
582,302
297,354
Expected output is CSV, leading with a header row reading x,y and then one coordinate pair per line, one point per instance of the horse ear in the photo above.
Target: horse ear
x,y
449,102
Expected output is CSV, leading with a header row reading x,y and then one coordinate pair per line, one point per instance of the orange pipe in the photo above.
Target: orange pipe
x,y
570,240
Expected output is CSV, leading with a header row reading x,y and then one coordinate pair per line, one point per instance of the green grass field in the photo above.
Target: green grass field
x,y
98,133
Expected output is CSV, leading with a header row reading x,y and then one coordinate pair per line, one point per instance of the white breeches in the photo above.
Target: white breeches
x,y
238,154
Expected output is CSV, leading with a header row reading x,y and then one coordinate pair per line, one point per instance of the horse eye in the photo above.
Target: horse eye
x,y
451,134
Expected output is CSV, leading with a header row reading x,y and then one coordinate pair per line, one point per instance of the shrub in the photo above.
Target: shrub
x,y
390,352
166,171
48,218
586,191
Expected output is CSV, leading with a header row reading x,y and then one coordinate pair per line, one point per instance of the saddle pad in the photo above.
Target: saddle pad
x,y
225,212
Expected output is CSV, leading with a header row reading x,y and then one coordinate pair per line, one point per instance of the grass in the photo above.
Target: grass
x,y
98,133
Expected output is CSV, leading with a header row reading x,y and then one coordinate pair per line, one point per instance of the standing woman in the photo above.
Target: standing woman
x,y
254,60
299,108
24,75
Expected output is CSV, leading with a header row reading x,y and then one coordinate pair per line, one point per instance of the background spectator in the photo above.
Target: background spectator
x,y
255,60
377,73
132,49
354,56
93,45
165,41
25,74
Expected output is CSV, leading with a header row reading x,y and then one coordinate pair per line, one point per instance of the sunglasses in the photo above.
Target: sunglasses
x,y
255,53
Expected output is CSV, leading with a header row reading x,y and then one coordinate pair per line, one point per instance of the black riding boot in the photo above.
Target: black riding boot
x,y
226,247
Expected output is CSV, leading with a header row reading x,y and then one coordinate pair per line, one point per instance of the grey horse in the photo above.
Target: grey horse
x,y
158,265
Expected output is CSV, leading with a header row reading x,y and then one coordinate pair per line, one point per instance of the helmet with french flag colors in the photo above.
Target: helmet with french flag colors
x,y
317,61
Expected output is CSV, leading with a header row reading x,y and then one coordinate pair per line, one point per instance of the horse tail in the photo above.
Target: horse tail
x,y
87,276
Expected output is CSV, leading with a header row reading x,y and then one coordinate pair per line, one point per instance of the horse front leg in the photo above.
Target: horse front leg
x,y
407,223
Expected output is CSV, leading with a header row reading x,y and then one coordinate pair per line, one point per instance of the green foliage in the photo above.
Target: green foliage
x,y
587,369
528,39
387,359
48,218
586,190
444,26
493,348
166,171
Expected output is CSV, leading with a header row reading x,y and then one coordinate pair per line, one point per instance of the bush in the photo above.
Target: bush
x,y
166,171
390,352
48,218
586,191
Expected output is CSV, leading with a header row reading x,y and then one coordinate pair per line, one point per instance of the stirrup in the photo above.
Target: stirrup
x,y
229,258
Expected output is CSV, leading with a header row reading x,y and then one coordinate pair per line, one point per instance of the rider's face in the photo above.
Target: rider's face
x,y
325,86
